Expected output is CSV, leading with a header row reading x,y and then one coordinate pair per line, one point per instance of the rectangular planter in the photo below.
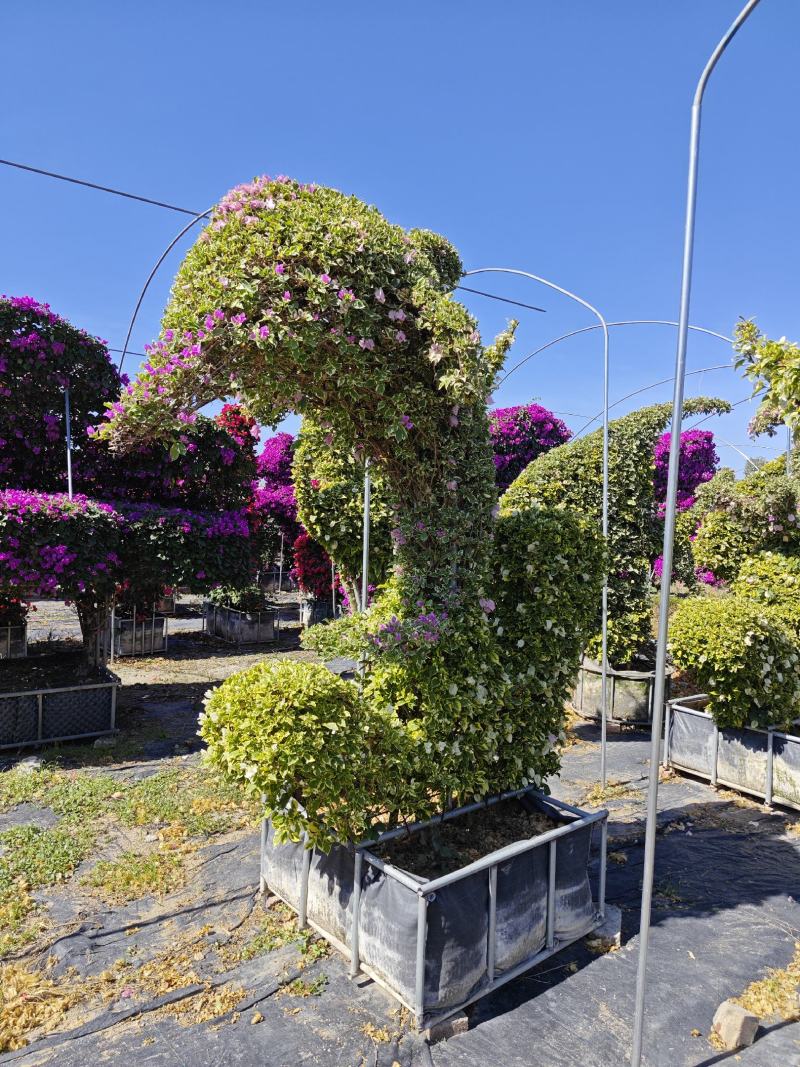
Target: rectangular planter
x,y
165,605
61,714
126,637
762,763
438,945
13,641
629,694
242,627
273,581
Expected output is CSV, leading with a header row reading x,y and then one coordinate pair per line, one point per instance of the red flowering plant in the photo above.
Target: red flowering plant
x,y
14,611
41,355
312,567
242,428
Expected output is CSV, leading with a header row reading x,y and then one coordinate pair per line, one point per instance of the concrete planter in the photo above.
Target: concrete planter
x,y
13,641
438,945
242,627
630,694
59,714
762,763
127,637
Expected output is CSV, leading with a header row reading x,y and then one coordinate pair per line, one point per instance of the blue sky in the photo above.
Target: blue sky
x,y
548,135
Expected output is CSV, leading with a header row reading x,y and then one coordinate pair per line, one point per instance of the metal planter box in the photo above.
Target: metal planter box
x,y
165,605
763,763
127,637
438,945
13,641
242,627
630,694
314,611
66,714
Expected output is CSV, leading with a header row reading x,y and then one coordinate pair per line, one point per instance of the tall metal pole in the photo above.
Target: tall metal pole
x,y
68,428
669,532
365,539
604,603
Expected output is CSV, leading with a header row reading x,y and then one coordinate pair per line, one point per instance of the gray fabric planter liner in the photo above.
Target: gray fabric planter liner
x,y
130,638
13,641
763,763
66,714
630,694
242,627
440,944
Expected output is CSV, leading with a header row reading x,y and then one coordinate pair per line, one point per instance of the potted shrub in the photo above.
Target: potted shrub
x,y
469,648
313,572
241,616
742,730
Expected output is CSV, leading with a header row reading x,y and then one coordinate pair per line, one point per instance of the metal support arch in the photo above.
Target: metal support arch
x,y
604,637
669,528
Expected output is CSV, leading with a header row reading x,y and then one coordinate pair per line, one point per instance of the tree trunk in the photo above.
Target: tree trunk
x,y
93,616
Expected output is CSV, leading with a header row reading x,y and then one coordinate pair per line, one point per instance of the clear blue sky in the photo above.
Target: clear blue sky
x,y
549,135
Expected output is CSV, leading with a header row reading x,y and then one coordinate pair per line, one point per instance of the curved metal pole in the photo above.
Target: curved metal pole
x,y
604,624
152,275
624,322
669,530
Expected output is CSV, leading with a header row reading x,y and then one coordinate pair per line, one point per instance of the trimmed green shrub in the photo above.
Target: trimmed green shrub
x,y
772,580
742,656
245,598
304,739
571,477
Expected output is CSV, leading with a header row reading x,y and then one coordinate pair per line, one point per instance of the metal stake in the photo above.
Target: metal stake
x,y
669,532
365,538
68,428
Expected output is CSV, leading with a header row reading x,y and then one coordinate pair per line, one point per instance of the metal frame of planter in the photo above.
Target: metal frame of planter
x,y
117,626
614,676
7,641
681,706
426,892
42,710
272,613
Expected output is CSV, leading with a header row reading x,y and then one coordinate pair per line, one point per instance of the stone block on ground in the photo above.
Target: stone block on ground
x,y
734,1026
456,1024
607,937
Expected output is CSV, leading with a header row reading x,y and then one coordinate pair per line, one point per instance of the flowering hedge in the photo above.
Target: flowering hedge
x,y
571,477
40,355
519,435
300,298
312,567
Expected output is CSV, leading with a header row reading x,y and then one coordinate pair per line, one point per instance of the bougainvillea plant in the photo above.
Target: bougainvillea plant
x,y
774,369
570,477
312,567
298,298
41,354
520,434
697,463
241,427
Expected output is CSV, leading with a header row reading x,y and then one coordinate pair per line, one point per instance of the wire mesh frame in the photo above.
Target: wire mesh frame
x,y
683,705
426,892
112,642
113,684
273,613
8,641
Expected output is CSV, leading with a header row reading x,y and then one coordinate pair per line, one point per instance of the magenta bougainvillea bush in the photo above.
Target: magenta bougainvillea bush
x,y
520,434
41,354
275,460
697,464
84,551
242,428
312,567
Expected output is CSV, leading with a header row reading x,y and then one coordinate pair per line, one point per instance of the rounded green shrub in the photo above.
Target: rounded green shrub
x,y
303,739
742,656
772,580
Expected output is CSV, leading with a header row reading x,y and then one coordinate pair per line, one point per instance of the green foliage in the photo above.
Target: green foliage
x,y
346,636
249,598
329,489
774,367
132,876
742,656
40,856
772,580
570,477
304,739
300,298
